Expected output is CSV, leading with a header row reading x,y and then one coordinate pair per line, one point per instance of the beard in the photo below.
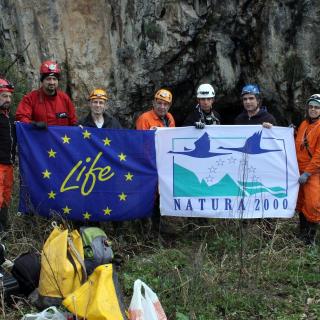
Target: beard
x,y
5,106
51,90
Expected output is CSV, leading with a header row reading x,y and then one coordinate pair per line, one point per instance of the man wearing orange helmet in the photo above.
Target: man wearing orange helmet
x,y
98,117
151,120
159,115
47,105
7,150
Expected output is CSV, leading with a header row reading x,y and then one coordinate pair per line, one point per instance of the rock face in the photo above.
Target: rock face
x,y
133,47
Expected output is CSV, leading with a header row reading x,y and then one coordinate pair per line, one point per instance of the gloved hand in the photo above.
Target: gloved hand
x,y
199,125
39,125
304,178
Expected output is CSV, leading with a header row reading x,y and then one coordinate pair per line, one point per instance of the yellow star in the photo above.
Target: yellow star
x,y
66,210
86,134
65,139
122,196
52,195
52,153
107,211
129,176
46,174
122,156
106,141
86,215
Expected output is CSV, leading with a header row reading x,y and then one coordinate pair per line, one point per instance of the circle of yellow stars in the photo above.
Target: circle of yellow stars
x,y
107,142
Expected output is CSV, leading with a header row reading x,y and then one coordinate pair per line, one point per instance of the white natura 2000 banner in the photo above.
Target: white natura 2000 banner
x,y
227,172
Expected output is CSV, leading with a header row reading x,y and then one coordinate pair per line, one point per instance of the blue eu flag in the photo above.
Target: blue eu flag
x,y
87,174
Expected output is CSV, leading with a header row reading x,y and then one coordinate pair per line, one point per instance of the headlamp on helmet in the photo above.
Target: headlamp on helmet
x,y
251,89
98,94
205,91
49,68
314,98
6,86
164,95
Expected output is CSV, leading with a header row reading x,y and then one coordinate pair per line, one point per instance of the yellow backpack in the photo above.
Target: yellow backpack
x,y
62,265
99,298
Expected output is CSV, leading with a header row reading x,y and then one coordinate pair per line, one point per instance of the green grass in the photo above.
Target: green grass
x,y
220,269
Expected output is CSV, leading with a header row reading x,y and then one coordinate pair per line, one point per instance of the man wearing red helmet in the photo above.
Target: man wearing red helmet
x,y
47,105
7,150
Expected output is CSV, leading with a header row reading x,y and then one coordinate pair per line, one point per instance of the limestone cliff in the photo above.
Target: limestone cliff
x,y
133,47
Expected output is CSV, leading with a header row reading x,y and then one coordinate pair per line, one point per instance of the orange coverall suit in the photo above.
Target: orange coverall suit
x,y
150,119
145,122
309,193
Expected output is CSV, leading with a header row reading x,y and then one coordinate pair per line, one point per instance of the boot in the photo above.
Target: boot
x,y
303,227
3,219
311,233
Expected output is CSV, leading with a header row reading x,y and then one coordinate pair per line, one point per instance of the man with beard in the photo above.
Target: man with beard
x,y
47,105
7,150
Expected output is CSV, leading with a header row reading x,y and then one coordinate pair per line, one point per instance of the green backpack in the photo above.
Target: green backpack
x,y
96,246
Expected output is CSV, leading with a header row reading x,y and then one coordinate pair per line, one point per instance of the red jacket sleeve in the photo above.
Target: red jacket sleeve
x,y
24,110
71,111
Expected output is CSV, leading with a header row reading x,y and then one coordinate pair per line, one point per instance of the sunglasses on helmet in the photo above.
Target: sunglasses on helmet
x,y
7,86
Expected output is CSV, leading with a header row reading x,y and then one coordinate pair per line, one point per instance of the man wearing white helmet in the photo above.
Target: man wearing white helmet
x,y
203,114
308,156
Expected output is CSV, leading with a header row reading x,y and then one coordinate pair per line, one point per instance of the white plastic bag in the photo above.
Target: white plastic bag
x,y
147,306
51,313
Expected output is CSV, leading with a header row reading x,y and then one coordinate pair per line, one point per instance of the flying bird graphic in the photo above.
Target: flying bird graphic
x,y
201,150
252,145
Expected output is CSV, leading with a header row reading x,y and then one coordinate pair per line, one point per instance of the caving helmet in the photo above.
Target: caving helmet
x,y
251,89
205,91
314,98
98,94
164,95
6,86
49,68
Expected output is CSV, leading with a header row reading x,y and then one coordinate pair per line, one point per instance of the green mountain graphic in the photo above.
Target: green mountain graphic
x,y
186,184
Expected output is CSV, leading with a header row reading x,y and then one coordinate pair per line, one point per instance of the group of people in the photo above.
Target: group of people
x,y
50,106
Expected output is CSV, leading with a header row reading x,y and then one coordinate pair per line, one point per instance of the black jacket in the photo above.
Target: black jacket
x,y
197,115
8,140
262,116
109,122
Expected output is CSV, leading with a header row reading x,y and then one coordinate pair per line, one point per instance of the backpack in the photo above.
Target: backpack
x,y
96,247
62,267
99,298
26,269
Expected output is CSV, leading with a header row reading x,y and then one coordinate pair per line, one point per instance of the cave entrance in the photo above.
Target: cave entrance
x,y
228,110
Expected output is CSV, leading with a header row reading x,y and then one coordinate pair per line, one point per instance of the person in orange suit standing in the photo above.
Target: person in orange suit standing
x,y
159,116
308,155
